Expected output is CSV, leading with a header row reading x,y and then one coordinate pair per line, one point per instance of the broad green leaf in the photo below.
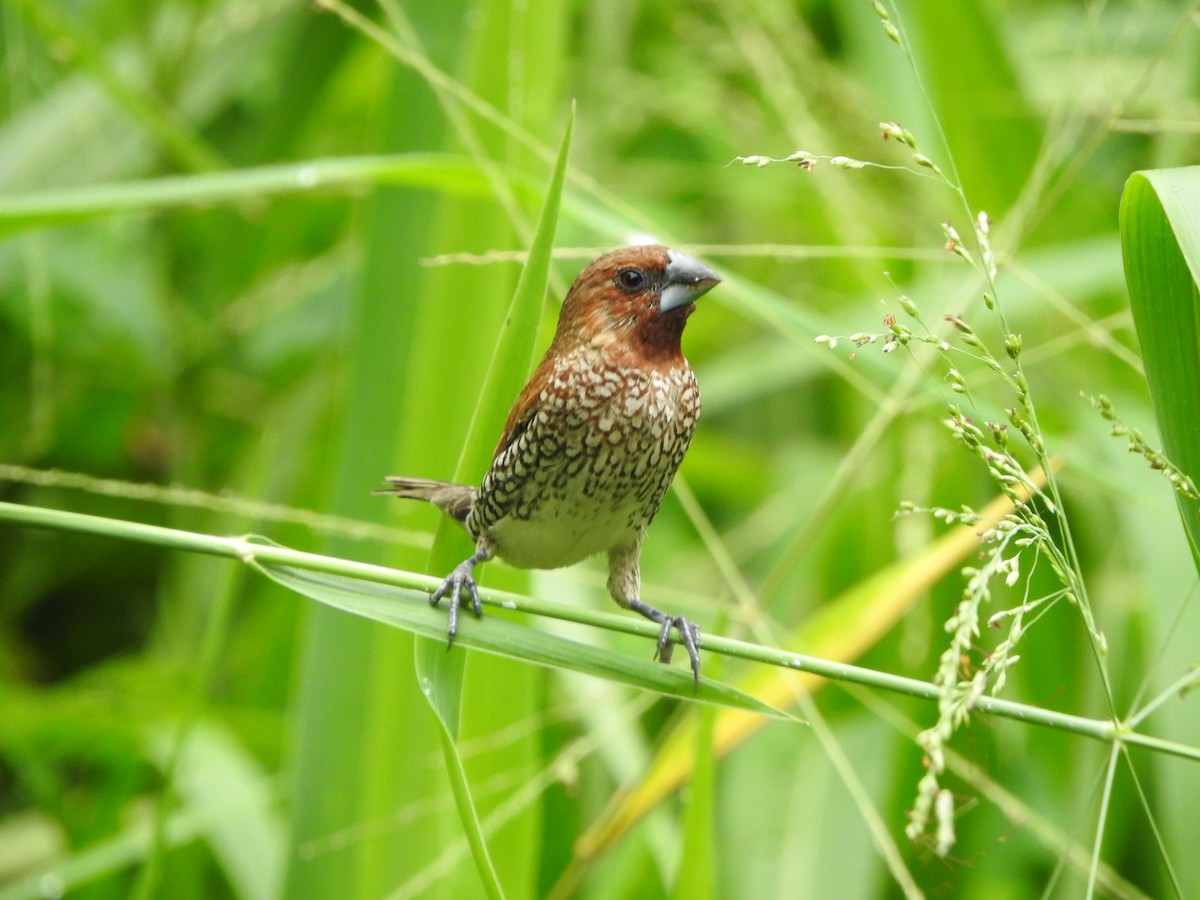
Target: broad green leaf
x,y
963,59
1160,239
354,680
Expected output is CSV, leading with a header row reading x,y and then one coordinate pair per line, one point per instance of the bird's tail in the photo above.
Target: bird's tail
x,y
455,500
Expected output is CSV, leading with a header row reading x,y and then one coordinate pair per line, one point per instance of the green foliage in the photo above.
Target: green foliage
x,y
1160,234
256,255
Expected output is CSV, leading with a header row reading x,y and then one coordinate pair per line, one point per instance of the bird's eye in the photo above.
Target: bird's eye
x,y
631,279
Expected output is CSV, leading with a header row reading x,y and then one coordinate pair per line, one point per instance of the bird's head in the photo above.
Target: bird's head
x,y
633,303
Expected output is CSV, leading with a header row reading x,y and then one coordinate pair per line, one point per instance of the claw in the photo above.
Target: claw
x,y
452,586
689,636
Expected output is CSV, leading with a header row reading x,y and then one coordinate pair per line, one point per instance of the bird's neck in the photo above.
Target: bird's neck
x,y
654,345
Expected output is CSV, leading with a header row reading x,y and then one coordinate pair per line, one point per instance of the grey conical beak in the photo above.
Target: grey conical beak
x,y
687,279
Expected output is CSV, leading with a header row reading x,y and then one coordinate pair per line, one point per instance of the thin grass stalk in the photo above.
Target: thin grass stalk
x,y
253,550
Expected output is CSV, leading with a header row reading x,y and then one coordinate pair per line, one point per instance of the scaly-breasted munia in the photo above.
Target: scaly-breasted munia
x,y
594,439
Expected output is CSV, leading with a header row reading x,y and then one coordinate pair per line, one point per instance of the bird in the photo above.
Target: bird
x,y
593,440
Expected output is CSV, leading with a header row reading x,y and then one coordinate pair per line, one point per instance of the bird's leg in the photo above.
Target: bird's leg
x,y
463,576
689,636
625,582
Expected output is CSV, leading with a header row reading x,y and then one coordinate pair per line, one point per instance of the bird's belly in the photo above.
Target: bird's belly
x,y
565,530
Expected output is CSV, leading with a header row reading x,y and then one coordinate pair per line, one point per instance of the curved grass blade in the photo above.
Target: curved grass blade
x,y
441,673
409,609
1160,240
444,173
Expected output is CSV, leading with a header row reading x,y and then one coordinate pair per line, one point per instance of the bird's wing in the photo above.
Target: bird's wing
x,y
525,407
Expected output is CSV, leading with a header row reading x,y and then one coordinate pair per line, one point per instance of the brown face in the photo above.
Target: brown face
x,y
634,303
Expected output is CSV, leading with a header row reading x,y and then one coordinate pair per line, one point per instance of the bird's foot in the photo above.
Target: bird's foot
x,y
453,586
689,636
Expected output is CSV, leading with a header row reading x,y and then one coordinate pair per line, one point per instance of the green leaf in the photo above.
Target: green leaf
x,y
1160,239
409,609
226,790
696,878
355,681
440,673
505,376
964,57
510,365
438,172
472,827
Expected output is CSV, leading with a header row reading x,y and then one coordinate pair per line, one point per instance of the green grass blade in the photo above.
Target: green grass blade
x,y
1160,239
361,579
409,609
963,57
517,340
505,377
441,673
178,139
472,827
696,878
444,173
355,681
221,784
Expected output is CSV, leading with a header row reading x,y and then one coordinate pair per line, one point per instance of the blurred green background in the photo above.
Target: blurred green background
x,y
280,343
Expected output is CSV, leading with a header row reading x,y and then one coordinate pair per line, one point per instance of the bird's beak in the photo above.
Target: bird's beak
x,y
687,279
